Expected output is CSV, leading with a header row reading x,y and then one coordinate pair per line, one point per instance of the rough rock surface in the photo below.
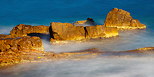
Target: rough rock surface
x,y
88,22
94,32
15,50
66,31
110,31
122,20
22,30
20,43
99,31
3,36
23,56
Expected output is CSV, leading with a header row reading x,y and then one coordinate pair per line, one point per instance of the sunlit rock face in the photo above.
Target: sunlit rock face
x,y
66,31
122,20
22,30
3,36
100,31
21,43
94,32
110,31
88,22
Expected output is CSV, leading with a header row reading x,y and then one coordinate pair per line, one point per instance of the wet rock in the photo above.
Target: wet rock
x,y
22,30
66,31
88,22
122,20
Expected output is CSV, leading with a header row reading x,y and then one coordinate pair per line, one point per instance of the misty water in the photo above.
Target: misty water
x,y
38,12
95,67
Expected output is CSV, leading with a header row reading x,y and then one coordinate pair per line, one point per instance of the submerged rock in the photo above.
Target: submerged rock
x,y
66,31
88,22
122,20
22,30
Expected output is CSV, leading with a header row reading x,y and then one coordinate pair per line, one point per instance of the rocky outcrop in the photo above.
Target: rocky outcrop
x,y
23,56
16,50
66,31
88,22
22,30
122,20
20,43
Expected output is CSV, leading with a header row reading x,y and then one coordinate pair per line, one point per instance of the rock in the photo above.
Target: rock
x,y
66,31
21,49
21,43
88,22
122,20
3,36
100,31
22,30
110,31
94,32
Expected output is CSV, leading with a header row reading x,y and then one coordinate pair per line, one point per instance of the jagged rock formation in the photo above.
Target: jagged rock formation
x,y
88,22
22,30
122,20
67,31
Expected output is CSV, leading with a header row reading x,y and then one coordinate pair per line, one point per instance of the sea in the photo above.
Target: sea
x,y
43,12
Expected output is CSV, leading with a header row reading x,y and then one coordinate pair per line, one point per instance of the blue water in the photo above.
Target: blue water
x,y
42,12
38,12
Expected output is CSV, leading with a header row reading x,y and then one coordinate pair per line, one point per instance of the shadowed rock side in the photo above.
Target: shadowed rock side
x,y
22,30
88,22
67,31
122,20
